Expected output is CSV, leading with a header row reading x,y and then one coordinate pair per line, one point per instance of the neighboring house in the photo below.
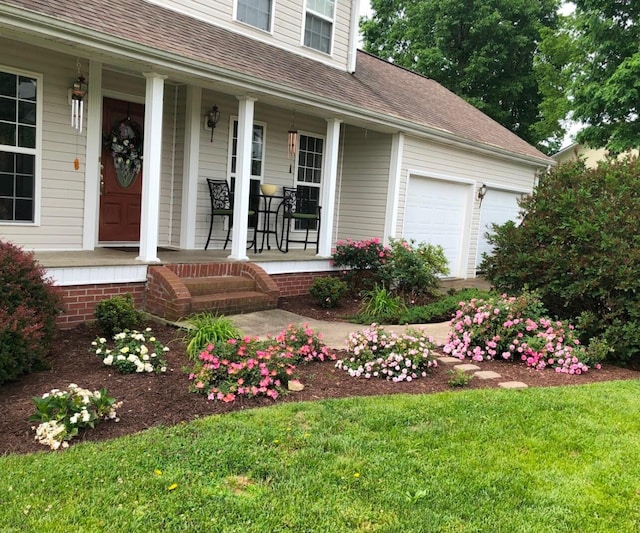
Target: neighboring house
x,y
590,155
385,152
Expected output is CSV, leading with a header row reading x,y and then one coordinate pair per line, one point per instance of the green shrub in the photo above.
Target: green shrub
x,y
412,269
381,306
441,309
116,314
328,291
579,247
459,378
205,329
362,261
29,305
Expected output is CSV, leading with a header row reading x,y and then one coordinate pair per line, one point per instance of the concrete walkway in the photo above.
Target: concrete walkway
x,y
335,334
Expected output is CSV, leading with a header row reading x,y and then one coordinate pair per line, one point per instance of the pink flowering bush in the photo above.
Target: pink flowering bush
x,y
251,367
515,329
362,261
375,354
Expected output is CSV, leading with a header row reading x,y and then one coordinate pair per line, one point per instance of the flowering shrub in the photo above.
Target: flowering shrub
x,y
62,413
250,367
512,328
362,261
374,353
134,351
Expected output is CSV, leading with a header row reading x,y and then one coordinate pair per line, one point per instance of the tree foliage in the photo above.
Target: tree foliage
x,y
483,50
606,89
579,247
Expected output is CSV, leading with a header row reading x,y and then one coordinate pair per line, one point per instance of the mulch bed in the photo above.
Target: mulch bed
x,y
164,399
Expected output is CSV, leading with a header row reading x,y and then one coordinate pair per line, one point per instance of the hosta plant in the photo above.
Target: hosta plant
x,y
61,413
133,351
251,367
373,353
516,329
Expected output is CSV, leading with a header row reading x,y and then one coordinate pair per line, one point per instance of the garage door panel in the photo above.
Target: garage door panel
x,y
497,208
435,214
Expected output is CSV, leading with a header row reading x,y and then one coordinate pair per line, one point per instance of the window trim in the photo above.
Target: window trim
x,y
231,174
297,183
37,151
248,25
323,17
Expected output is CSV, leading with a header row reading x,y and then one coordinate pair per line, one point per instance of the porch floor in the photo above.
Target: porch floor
x,y
120,257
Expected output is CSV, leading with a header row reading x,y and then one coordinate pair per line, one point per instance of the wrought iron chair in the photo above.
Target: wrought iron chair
x,y
222,206
305,214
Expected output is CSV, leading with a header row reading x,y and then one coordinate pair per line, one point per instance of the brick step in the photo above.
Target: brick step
x,y
233,302
219,284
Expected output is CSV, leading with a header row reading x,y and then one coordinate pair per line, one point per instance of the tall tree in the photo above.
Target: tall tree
x,y
606,88
483,50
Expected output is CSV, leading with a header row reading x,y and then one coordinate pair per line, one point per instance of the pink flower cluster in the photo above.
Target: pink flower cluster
x,y
499,329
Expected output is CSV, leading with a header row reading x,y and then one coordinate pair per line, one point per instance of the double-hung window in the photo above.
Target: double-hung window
x,y
257,13
18,136
309,176
257,159
318,25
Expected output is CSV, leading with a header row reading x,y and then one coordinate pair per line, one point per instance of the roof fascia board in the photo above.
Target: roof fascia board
x,y
61,30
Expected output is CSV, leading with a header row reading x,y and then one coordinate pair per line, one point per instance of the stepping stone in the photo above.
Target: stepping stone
x,y
467,367
448,360
295,386
487,374
512,385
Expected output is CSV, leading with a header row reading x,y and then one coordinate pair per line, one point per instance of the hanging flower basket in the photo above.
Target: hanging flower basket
x,y
125,143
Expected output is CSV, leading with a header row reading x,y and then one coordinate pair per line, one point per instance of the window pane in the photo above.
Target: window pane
x,y
7,133
255,12
24,210
27,113
317,33
324,7
8,84
6,209
24,186
25,164
6,184
26,136
8,109
27,89
7,162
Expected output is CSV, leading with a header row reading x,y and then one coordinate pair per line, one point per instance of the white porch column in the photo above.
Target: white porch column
x,y
193,121
152,152
393,189
243,179
92,158
328,195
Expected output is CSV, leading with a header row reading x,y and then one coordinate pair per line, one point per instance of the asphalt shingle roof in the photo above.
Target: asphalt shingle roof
x,y
377,85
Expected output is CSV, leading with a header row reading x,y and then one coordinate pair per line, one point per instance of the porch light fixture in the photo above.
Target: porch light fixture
x,y
482,191
78,91
212,118
292,142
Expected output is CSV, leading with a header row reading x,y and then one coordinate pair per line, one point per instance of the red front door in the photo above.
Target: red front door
x,y
121,184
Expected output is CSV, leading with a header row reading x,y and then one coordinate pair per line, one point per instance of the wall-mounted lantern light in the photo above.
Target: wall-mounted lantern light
x,y
211,119
482,191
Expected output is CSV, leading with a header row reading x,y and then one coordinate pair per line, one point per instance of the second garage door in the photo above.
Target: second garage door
x,y
497,207
436,213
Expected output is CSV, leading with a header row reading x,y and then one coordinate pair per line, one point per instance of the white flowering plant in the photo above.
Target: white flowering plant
x,y
373,353
62,413
133,351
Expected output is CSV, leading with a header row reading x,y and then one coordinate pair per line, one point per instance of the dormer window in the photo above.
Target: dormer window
x,y
318,27
256,13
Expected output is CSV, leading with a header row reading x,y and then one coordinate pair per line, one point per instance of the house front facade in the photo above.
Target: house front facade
x,y
113,115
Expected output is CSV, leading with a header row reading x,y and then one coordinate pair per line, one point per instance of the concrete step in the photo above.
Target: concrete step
x,y
219,284
232,302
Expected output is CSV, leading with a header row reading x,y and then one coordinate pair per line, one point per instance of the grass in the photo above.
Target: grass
x,y
538,460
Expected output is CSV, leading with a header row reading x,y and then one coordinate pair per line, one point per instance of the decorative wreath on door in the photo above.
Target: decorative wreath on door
x,y
125,143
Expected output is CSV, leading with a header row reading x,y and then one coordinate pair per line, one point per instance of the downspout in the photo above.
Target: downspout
x,y
353,36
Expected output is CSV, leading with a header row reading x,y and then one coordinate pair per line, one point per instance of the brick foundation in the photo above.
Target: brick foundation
x,y
80,300
297,284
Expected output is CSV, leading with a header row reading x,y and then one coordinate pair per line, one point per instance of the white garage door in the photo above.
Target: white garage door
x,y
497,207
436,214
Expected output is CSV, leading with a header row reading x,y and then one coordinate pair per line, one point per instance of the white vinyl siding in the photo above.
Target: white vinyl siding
x,y
287,25
361,198
433,159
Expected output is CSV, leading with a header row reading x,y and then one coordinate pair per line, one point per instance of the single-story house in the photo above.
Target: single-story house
x,y
113,115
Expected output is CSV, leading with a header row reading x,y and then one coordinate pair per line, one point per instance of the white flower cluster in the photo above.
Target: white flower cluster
x,y
135,351
66,411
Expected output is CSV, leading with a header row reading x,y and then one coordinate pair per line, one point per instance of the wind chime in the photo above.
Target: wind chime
x,y
293,142
78,92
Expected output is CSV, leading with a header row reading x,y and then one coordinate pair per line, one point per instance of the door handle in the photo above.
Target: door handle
x,y
101,178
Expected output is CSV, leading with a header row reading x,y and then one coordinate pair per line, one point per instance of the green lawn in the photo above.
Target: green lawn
x,y
538,460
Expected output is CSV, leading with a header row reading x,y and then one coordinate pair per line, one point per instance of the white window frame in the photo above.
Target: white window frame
x,y
318,185
331,20
248,24
37,151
